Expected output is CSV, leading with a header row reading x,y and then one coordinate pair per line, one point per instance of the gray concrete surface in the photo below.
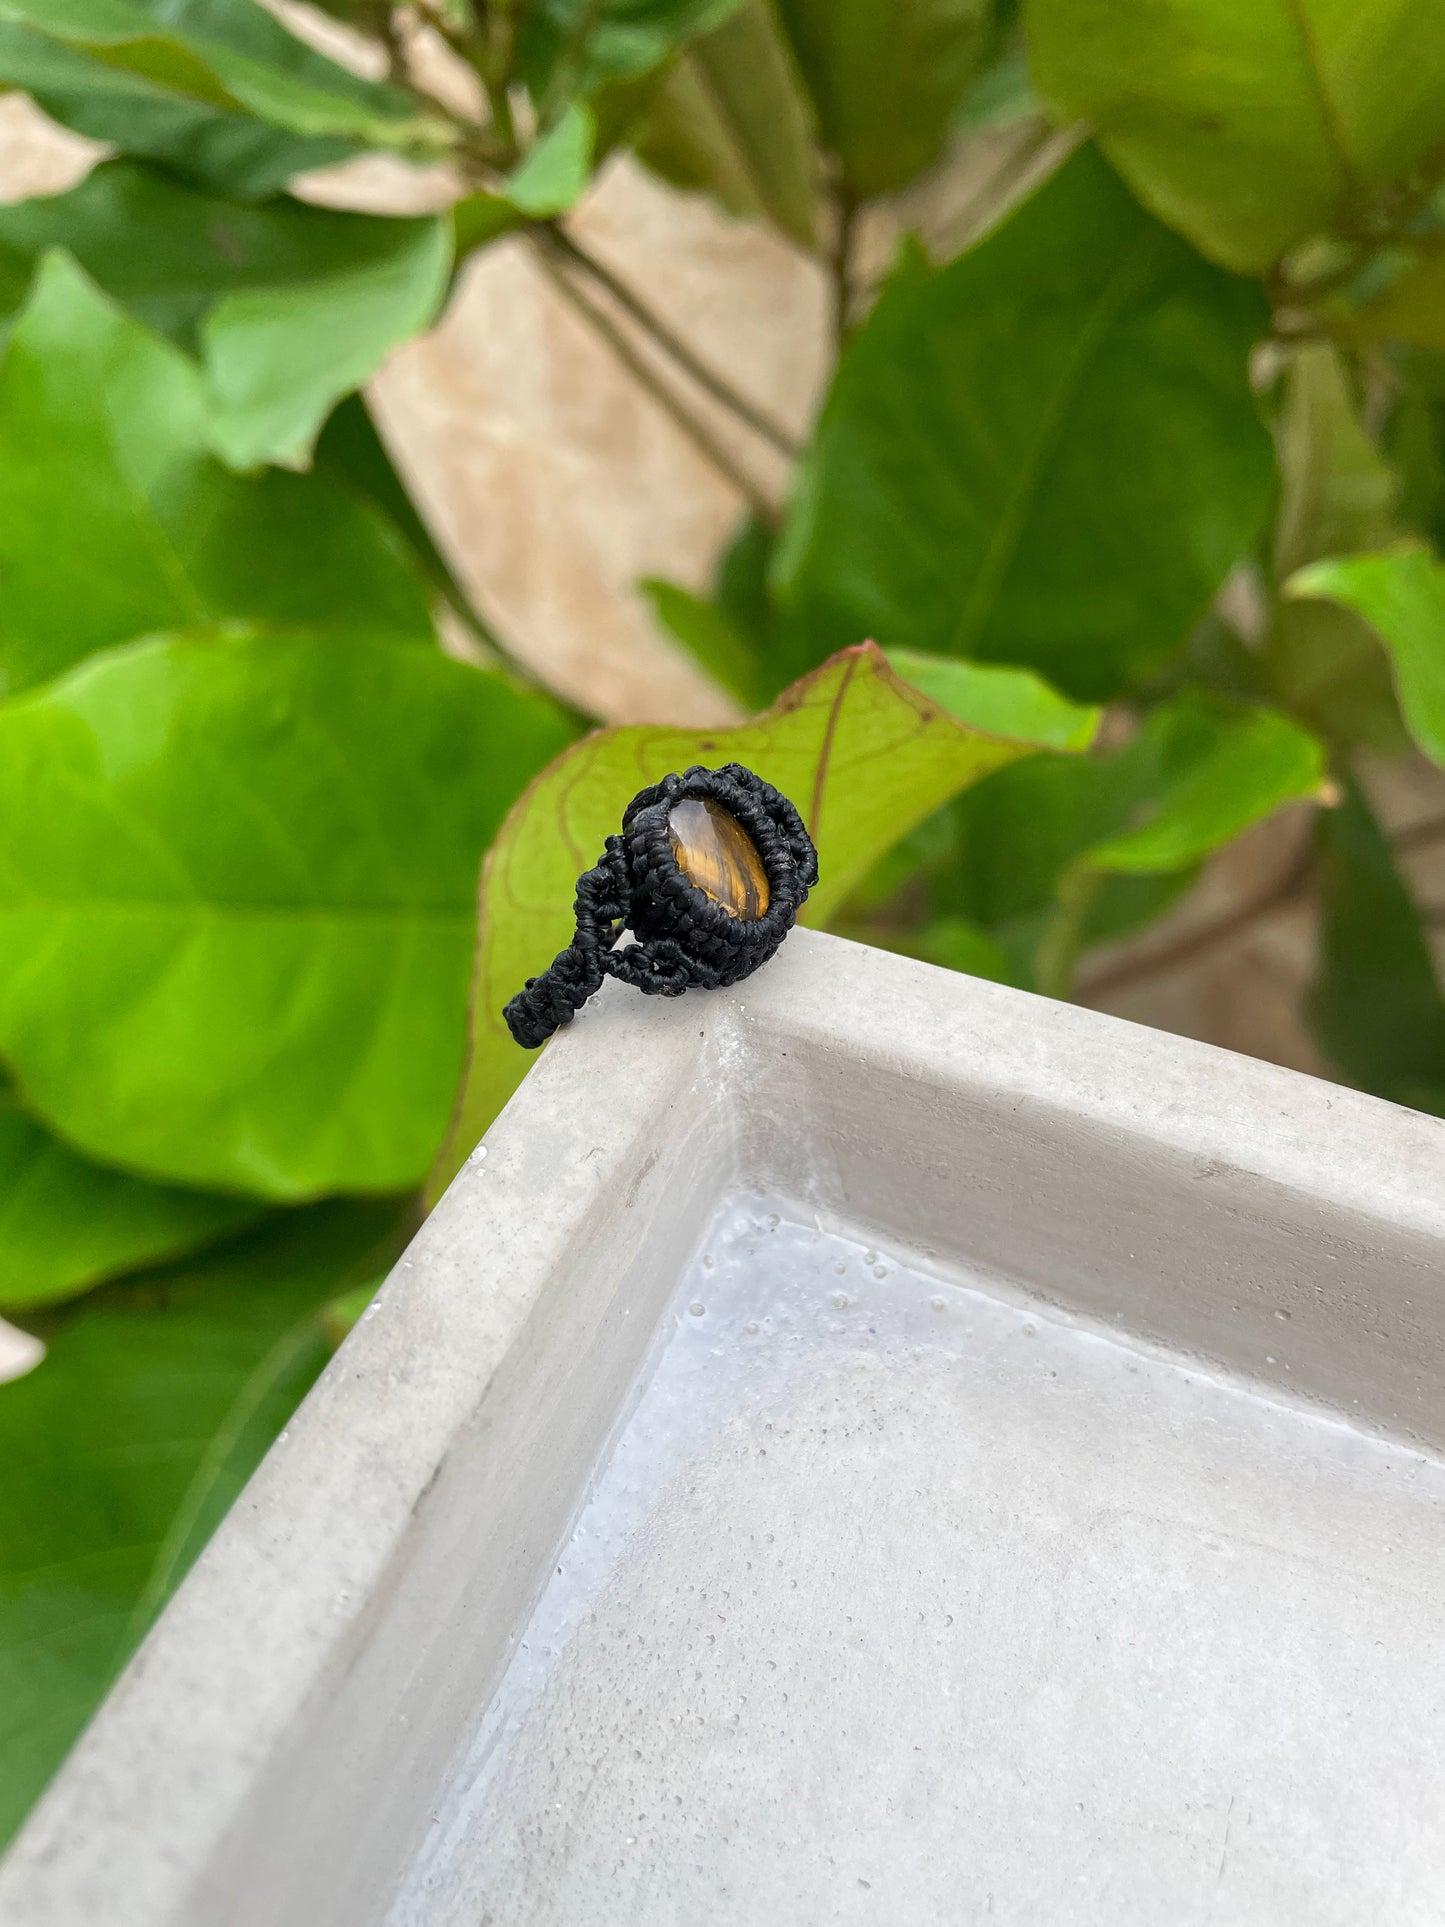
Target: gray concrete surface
x,y
1197,1573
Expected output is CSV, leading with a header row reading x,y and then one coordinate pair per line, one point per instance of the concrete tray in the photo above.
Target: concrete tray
x,y
869,1447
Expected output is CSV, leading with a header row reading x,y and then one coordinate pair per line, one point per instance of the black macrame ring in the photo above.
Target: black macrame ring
x,y
685,941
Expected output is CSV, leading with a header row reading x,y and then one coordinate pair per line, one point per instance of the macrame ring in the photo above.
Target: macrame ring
x,y
685,940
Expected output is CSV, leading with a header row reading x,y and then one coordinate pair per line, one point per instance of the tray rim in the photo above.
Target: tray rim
x,y
129,1824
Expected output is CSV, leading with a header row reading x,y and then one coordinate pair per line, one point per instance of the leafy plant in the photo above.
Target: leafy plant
x,y
1115,534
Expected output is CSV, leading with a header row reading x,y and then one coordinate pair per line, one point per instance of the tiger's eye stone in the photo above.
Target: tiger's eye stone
x,y
714,851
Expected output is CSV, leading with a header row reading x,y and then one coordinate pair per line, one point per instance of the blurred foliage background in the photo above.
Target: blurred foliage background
x,y
1134,488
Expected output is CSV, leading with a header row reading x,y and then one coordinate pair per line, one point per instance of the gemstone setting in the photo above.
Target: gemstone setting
x,y
715,853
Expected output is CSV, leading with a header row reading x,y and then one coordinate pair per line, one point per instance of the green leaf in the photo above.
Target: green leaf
x,y
1002,94
1002,702
1411,308
167,252
712,639
1079,840
1125,903
1226,769
554,174
730,118
1414,435
1249,125
1046,453
481,218
124,1448
66,1224
1015,835
1336,493
739,635
886,80
280,358
742,591
1336,489
104,452
1376,1007
1401,594
756,665
1217,658
237,889
289,306
571,48
351,451
232,56
954,944
229,151
862,756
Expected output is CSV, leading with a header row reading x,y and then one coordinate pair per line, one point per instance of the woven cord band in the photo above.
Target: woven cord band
x,y
686,938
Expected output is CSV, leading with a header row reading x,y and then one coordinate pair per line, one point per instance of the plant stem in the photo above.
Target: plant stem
x,y
653,325
491,64
568,66
1062,941
1283,894
492,53
1290,888
681,415
398,68
1387,224
492,148
1419,836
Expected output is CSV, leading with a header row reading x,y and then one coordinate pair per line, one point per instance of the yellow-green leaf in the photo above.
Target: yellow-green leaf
x,y
1401,594
731,118
1249,125
105,454
552,176
886,80
1337,494
260,70
1244,765
237,889
1000,700
862,755
1412,308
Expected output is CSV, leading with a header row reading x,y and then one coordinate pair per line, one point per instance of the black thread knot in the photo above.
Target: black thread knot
x,y
685,940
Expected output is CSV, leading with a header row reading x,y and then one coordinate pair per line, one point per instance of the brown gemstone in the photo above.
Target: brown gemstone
x,y
714,851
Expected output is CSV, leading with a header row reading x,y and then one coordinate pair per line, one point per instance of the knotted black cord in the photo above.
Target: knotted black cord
x,y
685,940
